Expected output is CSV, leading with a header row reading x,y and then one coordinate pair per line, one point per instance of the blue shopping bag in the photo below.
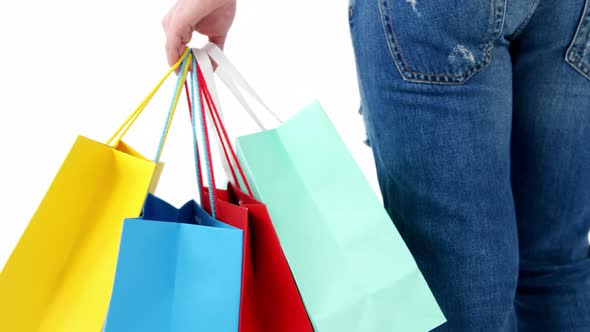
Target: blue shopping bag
x,y
178,270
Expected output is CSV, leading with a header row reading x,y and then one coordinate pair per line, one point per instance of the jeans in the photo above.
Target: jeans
x,y
478,114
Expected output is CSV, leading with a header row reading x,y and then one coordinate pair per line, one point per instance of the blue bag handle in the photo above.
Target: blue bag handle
x,y
197,110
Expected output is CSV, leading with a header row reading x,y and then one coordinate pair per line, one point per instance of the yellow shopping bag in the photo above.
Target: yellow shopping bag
x,y
60,275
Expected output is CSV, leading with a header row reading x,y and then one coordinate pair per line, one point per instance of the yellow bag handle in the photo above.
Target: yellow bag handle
x,y
181,79
122,130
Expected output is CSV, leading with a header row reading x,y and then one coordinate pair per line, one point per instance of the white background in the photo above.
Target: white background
x,y
72,67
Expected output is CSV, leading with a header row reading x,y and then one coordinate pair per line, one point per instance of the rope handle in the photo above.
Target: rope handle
x,y
124,127
199,111
222,134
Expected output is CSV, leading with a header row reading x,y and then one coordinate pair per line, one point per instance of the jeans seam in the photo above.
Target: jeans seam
x,y
526,21
420,77
573,55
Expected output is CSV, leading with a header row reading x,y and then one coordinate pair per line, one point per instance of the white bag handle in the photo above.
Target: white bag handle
x,y
232,78
207,69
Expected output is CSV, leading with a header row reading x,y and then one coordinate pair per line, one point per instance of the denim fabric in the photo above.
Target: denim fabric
x,y
478,114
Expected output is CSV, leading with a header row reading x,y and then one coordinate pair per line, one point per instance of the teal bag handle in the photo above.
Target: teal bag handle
x,y
171,109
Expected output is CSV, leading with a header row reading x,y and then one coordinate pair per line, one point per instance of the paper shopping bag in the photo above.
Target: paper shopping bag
x,y
270,298
353,269
60,275
179,270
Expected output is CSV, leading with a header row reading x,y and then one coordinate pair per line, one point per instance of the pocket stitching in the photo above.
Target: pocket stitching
x,y
419,77
525,22
573,54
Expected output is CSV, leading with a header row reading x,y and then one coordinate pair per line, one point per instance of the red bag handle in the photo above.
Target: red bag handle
x,y
221,132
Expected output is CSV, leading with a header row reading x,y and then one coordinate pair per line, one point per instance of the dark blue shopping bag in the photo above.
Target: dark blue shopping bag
x,y
178,270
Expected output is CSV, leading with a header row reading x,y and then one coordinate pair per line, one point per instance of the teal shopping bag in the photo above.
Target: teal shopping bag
x,y
352,268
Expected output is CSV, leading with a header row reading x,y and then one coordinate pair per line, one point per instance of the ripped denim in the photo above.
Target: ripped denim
x,y
478,114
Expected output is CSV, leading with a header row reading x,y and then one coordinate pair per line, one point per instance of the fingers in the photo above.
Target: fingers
x,y
176,41
181,21
179,32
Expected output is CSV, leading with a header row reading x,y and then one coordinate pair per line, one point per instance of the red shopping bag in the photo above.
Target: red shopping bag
x,y
270,299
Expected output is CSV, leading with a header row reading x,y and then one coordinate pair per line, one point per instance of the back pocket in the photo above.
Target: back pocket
x,y
578,54
441,42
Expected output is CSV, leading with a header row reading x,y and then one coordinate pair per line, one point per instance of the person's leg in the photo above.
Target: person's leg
x,y
551,167
441,141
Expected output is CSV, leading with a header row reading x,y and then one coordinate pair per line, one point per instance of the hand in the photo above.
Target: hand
x,y
212,18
